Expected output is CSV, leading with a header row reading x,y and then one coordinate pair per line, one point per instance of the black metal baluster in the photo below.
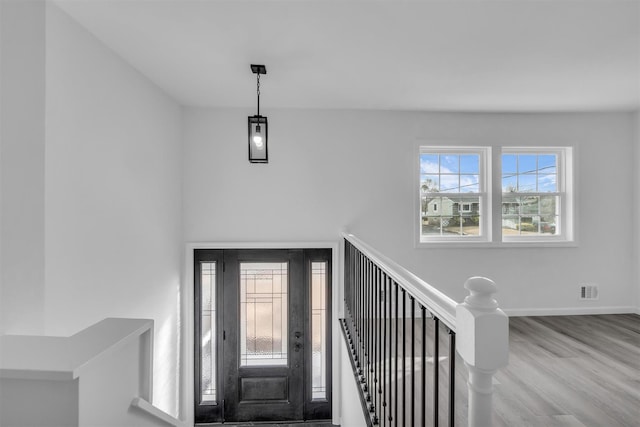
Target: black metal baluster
x,y
413,361
365,367
354,315
436,363
351,308
347,272
384,348
352,290
356,334
452,376
363,283
377,345
404,356
374,296
423,370
363,360
374,332
351,286
390,351
395,404
370,384
347,278
360,321
357,321
348,299
363,353
378,339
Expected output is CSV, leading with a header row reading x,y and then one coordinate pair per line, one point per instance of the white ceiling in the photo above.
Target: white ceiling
x,y
455,55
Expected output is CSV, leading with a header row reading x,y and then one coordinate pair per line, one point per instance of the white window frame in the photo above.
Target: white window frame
x,y
491,196
484,196
564,192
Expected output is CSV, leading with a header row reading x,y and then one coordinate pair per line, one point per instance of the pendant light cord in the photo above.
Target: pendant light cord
x,y
258,74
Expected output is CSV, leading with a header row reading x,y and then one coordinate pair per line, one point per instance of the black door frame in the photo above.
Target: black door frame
x,y
312,409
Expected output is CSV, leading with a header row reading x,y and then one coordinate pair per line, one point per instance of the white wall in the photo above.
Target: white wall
x,y
113,196
351,412
331,170
22,142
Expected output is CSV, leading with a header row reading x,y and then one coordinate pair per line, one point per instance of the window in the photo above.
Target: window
x,y
532,190
535,186
453,194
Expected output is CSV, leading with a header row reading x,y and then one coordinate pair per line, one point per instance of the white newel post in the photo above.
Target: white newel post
x,y
482,340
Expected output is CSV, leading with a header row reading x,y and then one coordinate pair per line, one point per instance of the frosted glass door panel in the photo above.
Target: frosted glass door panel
x,y
208,332
263,313
318,330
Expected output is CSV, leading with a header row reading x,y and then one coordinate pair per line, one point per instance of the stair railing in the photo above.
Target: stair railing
x,y
402,335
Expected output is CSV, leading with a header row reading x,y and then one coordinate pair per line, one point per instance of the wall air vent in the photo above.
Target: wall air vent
x,y
588,292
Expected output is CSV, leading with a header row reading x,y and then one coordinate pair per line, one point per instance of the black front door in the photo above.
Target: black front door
x,y
262,335
264,325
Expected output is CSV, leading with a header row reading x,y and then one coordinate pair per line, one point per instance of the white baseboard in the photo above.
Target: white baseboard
x,y
569,311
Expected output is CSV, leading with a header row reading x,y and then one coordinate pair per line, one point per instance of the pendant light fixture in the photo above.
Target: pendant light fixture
x,y
258,126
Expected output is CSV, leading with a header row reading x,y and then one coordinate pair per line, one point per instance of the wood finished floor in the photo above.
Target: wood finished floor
x,y
571,371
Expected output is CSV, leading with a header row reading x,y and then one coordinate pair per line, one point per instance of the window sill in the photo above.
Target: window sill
x,y
496,245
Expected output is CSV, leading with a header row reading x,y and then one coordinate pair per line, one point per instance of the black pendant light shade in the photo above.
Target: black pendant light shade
x,y
258,139
258,126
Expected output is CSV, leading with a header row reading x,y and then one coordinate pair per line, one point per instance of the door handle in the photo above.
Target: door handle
x,y
297,334
297,346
